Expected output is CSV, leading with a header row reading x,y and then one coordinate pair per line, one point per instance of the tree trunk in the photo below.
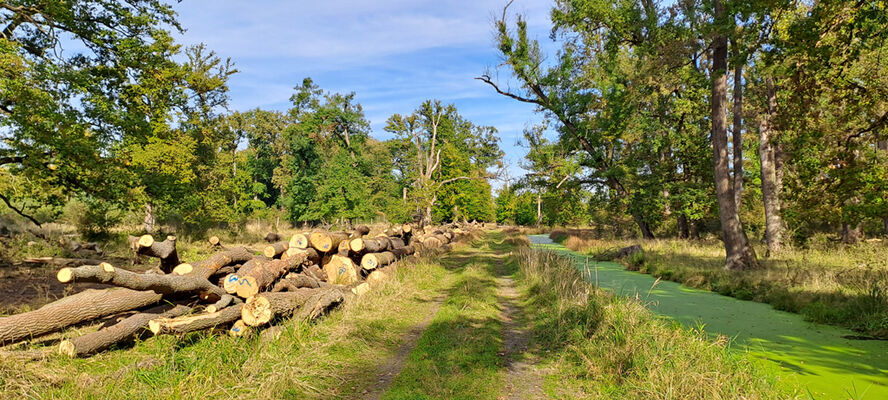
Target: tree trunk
x,y
644,227
770,187
739,254
327,241
261,309
84,306
851,234
539,210
149,218
737,135
683,232
276,249
694,231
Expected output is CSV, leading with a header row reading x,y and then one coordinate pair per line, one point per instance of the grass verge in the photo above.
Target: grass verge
x,y
838,285
331,358
597,345
458,356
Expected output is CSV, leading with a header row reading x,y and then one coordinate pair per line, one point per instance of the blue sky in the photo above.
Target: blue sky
x,y
392,54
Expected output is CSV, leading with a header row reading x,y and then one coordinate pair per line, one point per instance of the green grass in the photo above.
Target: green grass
x,y
330,358
602,346
832,284
458,355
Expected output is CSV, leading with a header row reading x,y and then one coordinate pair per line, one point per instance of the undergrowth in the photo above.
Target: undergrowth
x,y
602,346
845,286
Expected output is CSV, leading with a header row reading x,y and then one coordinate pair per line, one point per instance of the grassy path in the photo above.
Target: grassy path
x,y
823,360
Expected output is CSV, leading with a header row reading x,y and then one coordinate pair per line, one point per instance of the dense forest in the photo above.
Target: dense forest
x,y
650,134
121,131
746,120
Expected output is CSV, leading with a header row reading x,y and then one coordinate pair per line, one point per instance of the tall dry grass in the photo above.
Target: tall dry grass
x,y
612,347
840,285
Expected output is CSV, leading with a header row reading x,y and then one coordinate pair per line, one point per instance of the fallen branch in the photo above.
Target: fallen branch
x,y
163,284
191,323
165,251
123,331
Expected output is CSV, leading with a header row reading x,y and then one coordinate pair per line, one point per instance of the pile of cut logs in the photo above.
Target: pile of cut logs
x,y
238,289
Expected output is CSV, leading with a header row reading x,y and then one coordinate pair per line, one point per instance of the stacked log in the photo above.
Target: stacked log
x,y
235,288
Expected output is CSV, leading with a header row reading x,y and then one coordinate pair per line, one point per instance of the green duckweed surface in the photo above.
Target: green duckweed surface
x,y
825,360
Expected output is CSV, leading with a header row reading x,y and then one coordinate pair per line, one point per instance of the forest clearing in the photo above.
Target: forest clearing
x,y
500,199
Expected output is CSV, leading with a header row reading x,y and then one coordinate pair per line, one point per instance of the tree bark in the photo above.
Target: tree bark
x,y
84,306
149,218
295,281
124,331
851,234
737,135
261,309
165,251
191,323
163,284
263,275
739,254
275,249
683,232
372,261
770,187
207,267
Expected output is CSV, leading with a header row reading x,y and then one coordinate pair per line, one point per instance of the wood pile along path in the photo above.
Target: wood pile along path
x,y
236,289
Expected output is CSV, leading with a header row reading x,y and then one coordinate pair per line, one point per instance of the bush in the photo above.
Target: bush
x,y
93,218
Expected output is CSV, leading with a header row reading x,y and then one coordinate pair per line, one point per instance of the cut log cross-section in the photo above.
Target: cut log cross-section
x,y
372,261
264,274
342,270
327,241
165,251
163,284
215,241
299,241
207,267
124,331
84,306
231,281
305,303
275,249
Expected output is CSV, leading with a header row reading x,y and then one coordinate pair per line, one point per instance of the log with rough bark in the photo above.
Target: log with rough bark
x,y
295,281
342,270
361,289
396,242
207,267
275,249
263,308
360,230
163,284
401,252
74,309
300,241
264,274
272,237
232,280
122,332
196,322
165,251
376,260
344,248
374,245
376,277
310,254
326,241
316,272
